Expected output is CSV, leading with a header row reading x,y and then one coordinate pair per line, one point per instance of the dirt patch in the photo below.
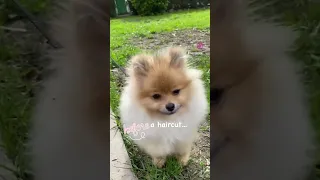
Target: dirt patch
x,y
188,38
199,166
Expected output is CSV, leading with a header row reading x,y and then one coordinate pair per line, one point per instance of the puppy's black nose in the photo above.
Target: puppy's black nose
x,y
170,106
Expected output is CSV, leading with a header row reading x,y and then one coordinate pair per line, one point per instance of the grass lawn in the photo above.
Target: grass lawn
x,y
21,69
125,32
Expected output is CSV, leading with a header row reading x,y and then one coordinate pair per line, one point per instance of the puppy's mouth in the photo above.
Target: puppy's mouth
x,y
169,113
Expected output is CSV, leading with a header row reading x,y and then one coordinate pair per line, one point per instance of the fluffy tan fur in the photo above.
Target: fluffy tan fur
x,y
167,75
164,74
263,110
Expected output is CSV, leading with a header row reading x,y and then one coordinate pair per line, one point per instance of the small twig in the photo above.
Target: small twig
x,y
122,167
118,66
13,29
115,116
39,27
205,135
7,168
206,146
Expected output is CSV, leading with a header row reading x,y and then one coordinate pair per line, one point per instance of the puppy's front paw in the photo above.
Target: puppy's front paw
x,y
183,159
159,162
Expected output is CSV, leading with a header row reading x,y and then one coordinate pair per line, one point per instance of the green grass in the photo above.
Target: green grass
x,y
15,105
122,30
20,71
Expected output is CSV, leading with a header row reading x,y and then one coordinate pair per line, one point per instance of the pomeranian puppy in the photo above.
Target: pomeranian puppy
x,y
163,103
257,100
70,133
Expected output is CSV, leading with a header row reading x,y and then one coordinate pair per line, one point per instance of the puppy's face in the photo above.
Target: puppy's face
x,y
234,85
163,85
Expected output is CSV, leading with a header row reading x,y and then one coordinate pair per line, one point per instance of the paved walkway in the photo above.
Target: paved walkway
x,y
120,166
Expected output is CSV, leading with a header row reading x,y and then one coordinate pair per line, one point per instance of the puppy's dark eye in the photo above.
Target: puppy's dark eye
x,y
176,92
216,95
156,96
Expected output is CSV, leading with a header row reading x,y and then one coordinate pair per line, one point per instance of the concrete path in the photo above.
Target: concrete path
x,y
120,165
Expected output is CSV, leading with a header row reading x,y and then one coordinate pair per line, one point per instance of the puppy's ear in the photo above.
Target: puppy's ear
x,y
140,65
178,57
